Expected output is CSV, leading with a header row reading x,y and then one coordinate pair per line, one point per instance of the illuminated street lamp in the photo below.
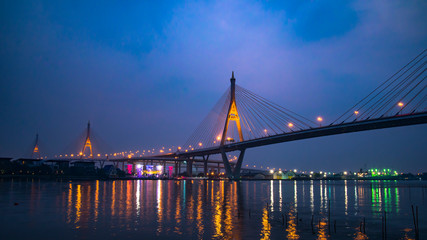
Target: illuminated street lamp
x,y
290,125
320,120
356,113
400,104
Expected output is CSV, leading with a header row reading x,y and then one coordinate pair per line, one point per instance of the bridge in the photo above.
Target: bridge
x,y
242,119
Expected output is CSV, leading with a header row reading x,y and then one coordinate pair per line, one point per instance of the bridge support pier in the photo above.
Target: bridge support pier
x,y
205,165
189,167
233,174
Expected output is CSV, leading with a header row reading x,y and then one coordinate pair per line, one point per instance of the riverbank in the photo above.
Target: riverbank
x,y
105,178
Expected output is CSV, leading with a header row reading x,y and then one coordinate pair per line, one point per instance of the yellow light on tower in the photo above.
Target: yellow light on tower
x,y
356,112
218,138
400,104
200,144
290,125
319,119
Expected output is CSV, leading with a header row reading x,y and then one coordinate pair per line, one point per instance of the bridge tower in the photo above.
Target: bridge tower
x,y
36,150
87,143
232,115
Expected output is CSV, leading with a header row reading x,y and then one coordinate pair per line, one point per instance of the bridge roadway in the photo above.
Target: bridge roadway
x,y
365,125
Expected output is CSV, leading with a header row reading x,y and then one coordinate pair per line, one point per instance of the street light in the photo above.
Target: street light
x,y
320,120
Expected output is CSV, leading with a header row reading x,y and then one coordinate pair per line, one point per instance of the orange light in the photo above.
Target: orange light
x,y
218,138
290,125
200,144
265,130
356,112
81,153
179,148
161,151
319,119
400,104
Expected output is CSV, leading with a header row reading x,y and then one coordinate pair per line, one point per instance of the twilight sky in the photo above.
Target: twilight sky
x,y
145,73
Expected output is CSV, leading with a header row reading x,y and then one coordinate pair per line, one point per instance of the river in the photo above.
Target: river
x,y
206,209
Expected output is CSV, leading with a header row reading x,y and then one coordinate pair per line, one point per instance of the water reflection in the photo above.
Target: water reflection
x,y
346,197
322,229
291,230
78,206
229,210
272,195
266,227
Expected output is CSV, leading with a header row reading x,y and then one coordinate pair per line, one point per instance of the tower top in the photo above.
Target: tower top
x,y
232,79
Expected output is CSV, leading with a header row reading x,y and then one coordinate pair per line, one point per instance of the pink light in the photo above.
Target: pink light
x,y
129,169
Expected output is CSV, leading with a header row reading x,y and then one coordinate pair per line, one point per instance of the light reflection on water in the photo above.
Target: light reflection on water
x,y
209,209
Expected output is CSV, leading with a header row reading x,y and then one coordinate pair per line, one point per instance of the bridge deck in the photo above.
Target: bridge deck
x,y
388,122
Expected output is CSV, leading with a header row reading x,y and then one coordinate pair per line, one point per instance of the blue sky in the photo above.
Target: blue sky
x,y
146,73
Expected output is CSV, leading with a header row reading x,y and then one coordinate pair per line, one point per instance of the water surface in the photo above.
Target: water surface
x,y
204,209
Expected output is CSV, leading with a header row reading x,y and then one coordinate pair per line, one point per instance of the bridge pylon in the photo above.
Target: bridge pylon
x,y
232,116
87,143
36,150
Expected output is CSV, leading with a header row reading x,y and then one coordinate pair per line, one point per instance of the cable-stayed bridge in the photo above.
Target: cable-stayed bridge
x,y
242,119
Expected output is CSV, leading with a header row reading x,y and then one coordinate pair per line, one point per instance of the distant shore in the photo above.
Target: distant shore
x,y
92,178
